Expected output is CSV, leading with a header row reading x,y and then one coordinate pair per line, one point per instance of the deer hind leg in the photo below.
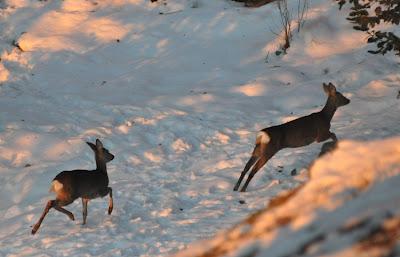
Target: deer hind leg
x,y
57,206
110,203
63,198
260,163
249,164
84,209
256,167
49,205
262,141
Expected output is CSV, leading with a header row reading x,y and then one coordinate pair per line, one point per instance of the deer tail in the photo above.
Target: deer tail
x,y
262,141
56,186
262,138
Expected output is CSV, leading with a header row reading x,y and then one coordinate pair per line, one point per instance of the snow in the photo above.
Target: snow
x,y
336,213
177,94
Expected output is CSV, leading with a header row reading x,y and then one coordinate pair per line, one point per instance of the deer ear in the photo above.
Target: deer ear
x,y
332,88
99,144
91,146
326,88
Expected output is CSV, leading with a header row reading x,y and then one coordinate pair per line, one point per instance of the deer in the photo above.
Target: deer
x,y
85,184
296,133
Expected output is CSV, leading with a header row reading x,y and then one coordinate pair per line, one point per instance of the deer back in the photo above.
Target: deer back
x,y
81,183
299,132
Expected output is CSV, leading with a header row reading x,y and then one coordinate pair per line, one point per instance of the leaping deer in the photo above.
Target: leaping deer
x,y
296,133
86,184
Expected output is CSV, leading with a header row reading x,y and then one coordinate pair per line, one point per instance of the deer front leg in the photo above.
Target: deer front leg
x,y
327,147
110,203
51,204
84,209
68,213
333,136
58,206
250,163
324,134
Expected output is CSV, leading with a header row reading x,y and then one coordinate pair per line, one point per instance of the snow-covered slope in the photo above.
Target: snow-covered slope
x,y
349,207
176,90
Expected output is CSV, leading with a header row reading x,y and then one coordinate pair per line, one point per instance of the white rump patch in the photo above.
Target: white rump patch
x,y
263,137
56,186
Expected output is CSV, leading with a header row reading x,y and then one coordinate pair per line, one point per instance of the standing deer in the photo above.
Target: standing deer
x,y
296,133
86,184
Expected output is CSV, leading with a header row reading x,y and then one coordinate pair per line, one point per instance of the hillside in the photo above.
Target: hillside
x,y
347,208
176,90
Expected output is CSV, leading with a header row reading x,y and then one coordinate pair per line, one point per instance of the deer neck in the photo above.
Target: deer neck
x,y
329,109
101,164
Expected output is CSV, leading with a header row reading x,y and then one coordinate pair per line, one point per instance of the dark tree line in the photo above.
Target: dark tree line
x,y
366,14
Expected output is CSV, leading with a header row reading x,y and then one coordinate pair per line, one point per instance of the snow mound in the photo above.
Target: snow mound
x,y
177,90
349,207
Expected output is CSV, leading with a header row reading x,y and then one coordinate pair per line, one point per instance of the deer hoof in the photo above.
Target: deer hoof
x,y
110,211
34,230
236,187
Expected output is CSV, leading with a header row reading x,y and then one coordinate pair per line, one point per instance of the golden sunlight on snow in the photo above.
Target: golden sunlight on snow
x,y
57,150
27,141
152,157
75,31
344,43
162,44
180,146
196,100
329,188
3,73
15,157
251,89
375,89
78,6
